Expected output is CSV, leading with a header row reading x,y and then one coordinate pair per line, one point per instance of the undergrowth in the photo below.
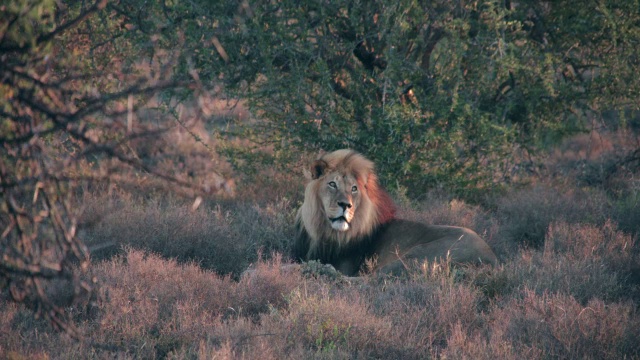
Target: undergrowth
x,y
170,283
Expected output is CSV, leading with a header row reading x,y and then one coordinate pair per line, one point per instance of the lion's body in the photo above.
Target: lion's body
x,y
414,241
347,218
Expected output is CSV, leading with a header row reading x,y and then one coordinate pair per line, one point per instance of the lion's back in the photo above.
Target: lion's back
x,y
414,241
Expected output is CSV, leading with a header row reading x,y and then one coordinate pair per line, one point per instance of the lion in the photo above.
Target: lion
x,y
347,218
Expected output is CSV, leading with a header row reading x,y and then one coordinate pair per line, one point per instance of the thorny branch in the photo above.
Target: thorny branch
x,y
57,133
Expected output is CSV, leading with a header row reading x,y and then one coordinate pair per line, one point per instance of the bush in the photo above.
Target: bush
x,y
582,261
525,215
558,326
225,238
151,307
573,295
626,211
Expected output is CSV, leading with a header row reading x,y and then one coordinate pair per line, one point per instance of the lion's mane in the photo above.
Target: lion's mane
x,y
316,239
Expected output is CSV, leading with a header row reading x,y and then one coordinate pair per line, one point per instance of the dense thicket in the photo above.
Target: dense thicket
x,y
437,93
441,93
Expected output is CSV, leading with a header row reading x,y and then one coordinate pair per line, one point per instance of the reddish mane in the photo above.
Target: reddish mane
x,y
383,203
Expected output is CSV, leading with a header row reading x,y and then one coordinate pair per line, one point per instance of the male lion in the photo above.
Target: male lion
x,y
347,218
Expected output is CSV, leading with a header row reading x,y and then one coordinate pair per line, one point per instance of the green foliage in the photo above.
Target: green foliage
x,y
24,21
438,94
444,94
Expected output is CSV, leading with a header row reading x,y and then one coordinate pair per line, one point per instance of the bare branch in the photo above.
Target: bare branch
x,y
432,36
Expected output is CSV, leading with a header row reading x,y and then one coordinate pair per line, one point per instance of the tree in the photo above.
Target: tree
x,y
451,94
438,93
66,103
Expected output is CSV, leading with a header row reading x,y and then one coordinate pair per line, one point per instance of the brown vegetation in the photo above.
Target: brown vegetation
x,y
170,287
110,110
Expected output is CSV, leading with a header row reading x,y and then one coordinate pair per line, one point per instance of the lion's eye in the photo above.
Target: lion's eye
x,y
354,188
332,184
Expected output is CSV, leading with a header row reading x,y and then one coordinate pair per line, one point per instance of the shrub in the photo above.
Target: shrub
x,y
573,294
525,215
424,308
225,239
558,326
605,245
150,307
626,211
326,323
583,261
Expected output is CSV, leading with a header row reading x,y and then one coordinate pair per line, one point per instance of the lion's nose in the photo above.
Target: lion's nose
x,y
344,205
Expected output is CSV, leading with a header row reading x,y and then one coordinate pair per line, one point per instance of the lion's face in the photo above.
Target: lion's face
x,y
342,200
341,196
343,206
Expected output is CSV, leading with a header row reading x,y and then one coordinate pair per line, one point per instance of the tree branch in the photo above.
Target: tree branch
x,y
432,37
98,5
369,58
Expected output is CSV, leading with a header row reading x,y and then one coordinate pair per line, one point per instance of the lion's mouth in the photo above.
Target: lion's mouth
x,y
340,223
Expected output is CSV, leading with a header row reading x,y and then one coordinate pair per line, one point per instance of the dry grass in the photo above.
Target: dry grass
x,y
169,287
626,211
558,326
224,237
525,214
583,261
152,307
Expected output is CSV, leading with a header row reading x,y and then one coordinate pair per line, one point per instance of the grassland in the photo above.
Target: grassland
x,y
169,286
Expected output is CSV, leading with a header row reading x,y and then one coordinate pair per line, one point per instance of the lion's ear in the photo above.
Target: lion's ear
x,y
318,168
